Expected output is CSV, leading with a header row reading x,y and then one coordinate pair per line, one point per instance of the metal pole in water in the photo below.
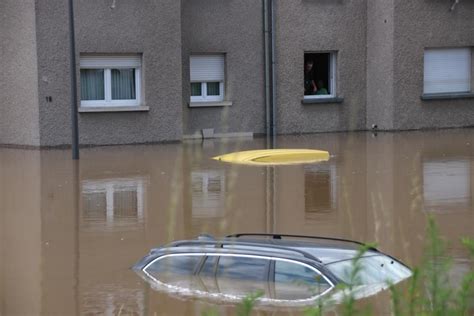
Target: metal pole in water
x,y
74,120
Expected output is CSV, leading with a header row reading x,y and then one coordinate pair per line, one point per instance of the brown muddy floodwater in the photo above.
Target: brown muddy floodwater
x,y
69,232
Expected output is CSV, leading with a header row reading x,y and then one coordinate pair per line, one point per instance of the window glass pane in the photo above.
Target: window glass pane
x,y
208,267
241,276
317,70
183,265
207,274
374,270
295,281
196,89
123,84
92,84
177,271
242,268
213,88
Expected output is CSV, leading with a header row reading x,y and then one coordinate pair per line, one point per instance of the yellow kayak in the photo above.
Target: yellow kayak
x,y
275,156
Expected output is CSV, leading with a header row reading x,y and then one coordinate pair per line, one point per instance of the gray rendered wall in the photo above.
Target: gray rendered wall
x,y
312,26
380,64
151,28
420,24
234,28
19,118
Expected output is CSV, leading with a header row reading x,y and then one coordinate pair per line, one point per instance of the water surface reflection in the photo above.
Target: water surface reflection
x,y
70,231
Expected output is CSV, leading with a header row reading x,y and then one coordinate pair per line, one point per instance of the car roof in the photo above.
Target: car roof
x,y
323,250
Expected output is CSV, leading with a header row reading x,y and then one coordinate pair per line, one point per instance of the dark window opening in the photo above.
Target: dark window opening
x,y
317,74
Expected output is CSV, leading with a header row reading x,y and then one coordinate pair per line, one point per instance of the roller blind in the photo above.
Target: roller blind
x,y
207,68
447,70
133,61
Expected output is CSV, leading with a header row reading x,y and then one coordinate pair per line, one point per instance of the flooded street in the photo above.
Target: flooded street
x,y
70,231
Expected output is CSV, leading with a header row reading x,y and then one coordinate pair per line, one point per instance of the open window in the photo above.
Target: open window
x,y
319,75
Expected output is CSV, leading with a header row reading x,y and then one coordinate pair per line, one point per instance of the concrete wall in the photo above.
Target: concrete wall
x,y
236,29
18,77
152,29
379,44
420,24
380,84
312,26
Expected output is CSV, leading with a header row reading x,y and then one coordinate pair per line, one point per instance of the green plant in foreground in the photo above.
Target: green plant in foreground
x,y
429,291
245,307
210,312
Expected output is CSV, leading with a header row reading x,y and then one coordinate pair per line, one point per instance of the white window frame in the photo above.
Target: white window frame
x,y
107,63
331,77
208,98
427,56
204,97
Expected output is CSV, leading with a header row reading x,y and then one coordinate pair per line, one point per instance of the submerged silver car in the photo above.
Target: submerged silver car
x,y
285,269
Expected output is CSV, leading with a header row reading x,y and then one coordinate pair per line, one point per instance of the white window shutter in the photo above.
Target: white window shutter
x,y
110,61
207,68
447,70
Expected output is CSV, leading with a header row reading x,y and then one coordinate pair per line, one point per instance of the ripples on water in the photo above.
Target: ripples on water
x,y
70,232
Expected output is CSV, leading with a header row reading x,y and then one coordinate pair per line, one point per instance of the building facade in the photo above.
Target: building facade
x,y
166,70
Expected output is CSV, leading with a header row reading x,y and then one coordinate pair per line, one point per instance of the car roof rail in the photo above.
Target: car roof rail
x,y
222,243
279,236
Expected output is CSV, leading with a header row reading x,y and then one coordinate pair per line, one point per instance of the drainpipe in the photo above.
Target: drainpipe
x,y
272,54
72,50
269,56
266,57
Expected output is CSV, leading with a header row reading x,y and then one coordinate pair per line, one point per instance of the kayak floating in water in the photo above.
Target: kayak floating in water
x,y
275,156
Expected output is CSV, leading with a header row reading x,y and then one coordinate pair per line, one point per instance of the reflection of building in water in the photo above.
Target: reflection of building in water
x,y
117,204
110,300
446,185
320,189
208,193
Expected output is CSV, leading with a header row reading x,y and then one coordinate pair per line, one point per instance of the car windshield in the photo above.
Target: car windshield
x,y
373,270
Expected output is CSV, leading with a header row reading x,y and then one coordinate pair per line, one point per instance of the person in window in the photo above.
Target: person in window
x,y
310,87
321,89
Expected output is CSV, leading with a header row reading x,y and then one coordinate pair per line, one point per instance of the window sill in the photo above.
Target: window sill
x,y
98,109
446,96
209,104
322,100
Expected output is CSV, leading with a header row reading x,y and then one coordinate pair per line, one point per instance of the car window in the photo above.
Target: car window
x,y
373,270
208,268
207,274
296,281
175,270
175,264
242,268
242,275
